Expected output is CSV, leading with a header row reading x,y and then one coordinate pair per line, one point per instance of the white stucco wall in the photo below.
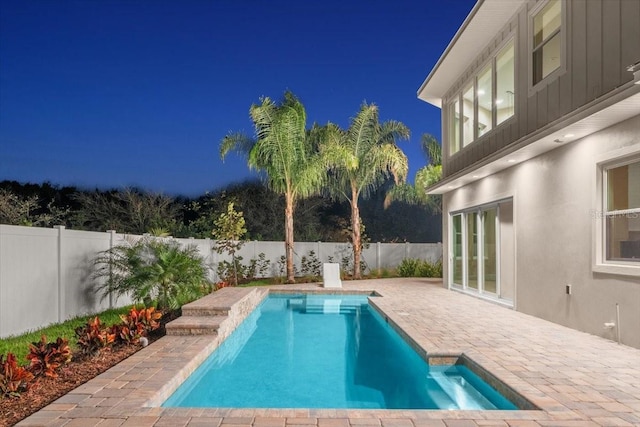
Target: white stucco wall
x,y
554,198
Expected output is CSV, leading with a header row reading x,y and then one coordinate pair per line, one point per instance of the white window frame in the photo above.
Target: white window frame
x,y
563,47
458,96
600,264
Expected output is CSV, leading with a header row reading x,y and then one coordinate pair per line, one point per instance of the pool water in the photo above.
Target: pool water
x,y
327,351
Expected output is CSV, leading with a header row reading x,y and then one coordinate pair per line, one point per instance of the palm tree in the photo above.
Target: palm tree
x,y
361,158
425,177
287,152
153,269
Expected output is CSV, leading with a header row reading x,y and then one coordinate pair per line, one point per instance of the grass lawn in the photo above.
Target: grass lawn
x,y
19,345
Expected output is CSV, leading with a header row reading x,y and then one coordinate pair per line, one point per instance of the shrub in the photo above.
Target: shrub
x,y
311,265
92,337
14,379
410,267
47,357
258,267
427,269
153,269
136,324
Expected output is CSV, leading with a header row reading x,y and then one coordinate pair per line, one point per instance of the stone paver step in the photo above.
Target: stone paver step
x,y
217,303
195,325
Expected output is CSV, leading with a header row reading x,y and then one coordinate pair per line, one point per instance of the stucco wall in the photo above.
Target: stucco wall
x,y
554,199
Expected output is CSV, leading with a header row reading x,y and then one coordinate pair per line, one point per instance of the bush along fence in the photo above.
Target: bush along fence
x,y
50,272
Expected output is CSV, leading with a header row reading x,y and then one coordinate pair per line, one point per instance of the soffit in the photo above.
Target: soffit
x,y
483,23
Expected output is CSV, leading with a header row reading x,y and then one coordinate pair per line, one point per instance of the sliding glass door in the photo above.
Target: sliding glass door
x,y
474,250
489,253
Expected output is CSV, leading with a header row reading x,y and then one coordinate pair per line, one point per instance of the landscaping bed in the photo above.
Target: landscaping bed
x,y
46,390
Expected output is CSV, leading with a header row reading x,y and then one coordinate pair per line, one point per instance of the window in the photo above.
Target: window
x,y
457,249
505,84
485,102
547,49
454,131
622,212
468,124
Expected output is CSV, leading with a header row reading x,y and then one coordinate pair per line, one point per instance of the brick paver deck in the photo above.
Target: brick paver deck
x,y
575,378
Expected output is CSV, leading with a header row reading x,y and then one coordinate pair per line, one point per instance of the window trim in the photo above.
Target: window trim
x,y
563,30
600,264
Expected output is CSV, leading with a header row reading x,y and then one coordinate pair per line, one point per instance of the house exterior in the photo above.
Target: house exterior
x,y
541,160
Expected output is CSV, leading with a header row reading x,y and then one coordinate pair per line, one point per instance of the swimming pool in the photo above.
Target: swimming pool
x,y
327,351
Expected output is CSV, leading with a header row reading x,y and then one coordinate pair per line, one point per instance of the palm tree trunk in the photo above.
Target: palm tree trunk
x,y
288,238
356,238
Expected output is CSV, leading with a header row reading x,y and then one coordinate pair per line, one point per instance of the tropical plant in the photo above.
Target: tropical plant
x,y
47,357
14,378
286,152
137,323
425,177
228,232
361,158
93,336
152,270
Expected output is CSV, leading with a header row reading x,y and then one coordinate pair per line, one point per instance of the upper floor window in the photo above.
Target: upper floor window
x,y
485,102
622,212
546,48
506,87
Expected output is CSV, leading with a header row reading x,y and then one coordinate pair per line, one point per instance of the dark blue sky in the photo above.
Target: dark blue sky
x,y
140,93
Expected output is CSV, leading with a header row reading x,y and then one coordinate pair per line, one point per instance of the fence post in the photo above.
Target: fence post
x,y
112,240
378,249
406,249
61,289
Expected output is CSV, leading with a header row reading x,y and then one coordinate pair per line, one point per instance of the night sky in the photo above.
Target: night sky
x,y
139,93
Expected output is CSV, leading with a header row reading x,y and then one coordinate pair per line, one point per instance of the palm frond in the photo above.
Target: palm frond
x,y
431,148
237,142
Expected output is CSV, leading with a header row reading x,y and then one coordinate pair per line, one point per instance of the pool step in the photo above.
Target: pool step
x,y
219,303
204,316
331,307
195,325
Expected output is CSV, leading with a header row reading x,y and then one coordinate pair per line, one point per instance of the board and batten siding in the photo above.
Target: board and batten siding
x,y
602,39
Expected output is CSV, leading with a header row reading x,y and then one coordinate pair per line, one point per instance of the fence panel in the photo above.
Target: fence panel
x,y
80,293
29,293
46,275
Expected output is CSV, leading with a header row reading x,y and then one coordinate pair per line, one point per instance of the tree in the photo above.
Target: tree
x,y
152,269
425,177
128,211
229,232
361,158
30,210
286,152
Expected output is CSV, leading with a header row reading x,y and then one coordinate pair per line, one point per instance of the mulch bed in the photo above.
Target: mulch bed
x,y
45,390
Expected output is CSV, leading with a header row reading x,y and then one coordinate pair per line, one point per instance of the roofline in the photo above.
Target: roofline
x,y
452,43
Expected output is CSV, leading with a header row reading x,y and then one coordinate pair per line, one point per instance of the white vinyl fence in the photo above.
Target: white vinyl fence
x,y
46,274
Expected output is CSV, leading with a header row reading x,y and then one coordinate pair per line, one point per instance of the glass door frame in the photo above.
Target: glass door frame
x,y
464,214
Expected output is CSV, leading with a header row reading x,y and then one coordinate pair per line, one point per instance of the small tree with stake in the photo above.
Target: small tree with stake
x,y
229,231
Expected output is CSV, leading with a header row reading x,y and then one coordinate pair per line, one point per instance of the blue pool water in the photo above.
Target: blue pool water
x,y
327,351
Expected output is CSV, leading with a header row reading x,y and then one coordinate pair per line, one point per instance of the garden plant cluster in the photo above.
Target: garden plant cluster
x,y
46,358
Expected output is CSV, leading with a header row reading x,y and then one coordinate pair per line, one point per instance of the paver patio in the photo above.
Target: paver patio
x,y
576,379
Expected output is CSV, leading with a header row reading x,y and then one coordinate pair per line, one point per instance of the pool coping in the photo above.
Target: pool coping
x,y
130,393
